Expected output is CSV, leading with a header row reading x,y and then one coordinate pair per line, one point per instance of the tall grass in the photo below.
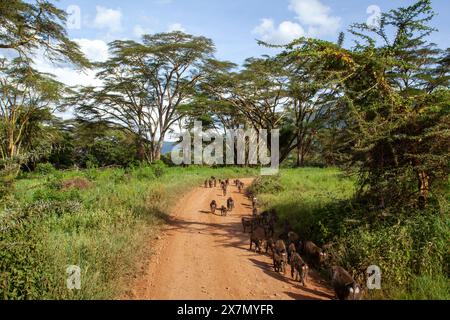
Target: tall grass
x,y
102,226
410,247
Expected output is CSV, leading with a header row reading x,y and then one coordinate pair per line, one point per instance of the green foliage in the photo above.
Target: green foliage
x,y
44,168
268,184
29,26
409,247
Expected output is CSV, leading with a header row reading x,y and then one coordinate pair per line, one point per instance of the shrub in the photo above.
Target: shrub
x,y
44,168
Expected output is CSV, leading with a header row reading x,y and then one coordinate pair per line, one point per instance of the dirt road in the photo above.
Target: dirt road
x,y
205,256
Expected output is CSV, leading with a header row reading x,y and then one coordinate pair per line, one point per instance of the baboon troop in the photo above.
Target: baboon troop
x,y
229,206
286,248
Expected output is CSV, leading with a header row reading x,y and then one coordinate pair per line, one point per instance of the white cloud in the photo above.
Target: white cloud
x,y
139,31
110,19
176,27
314,19
316,16
95,50
283,34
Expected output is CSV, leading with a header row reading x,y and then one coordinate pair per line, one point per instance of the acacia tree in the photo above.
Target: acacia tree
x,y
253,98
27,96
394,102
27,99
145,86
27,27
313,95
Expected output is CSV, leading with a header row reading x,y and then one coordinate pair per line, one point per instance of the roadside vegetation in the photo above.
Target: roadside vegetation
x,y
410,245
98,219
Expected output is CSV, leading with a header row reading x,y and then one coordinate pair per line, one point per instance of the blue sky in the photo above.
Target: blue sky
x,y
233,25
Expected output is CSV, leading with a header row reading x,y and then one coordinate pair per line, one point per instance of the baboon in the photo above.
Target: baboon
x,y
270,244
210,183
299,269
344,285
213,206
315,253
257,237
280,249
265,217
240,188
255,212
206,184
224,190
230,204
215,183
291,250
277,262
247,223
293,237
223,211
270,226
227,182
254,202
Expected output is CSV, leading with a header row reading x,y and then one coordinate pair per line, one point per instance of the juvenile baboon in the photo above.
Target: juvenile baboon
x,y
213,206
277,262
344,285
280,249
223,211
299,269
230,204
257,237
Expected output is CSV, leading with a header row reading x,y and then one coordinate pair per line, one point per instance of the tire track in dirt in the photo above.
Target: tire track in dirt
x,y
203,256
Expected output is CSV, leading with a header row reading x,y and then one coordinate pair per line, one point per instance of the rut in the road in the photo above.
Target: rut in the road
x,y
205,256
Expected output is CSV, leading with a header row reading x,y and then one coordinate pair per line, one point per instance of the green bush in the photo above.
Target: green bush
x,y
159,168
44,168
266,184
